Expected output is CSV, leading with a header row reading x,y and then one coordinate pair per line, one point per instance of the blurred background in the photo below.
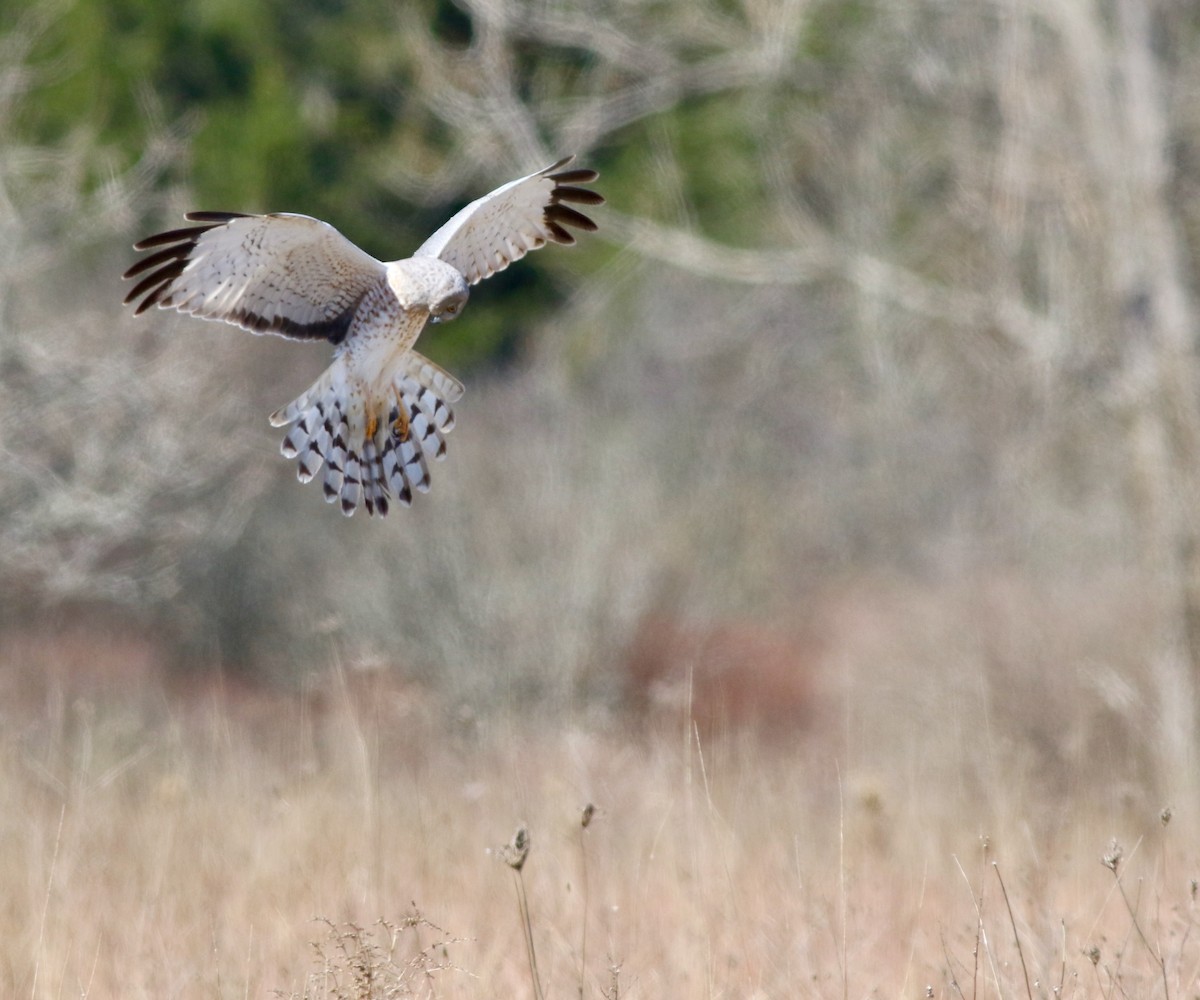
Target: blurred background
x,y
869,415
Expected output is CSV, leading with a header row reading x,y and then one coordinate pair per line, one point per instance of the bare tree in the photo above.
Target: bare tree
x,y
995,188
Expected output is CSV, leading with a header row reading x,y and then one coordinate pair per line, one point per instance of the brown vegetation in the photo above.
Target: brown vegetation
x,y
178,836
158,844
723,675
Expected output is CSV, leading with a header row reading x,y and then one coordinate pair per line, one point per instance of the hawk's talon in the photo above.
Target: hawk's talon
x,y
400,427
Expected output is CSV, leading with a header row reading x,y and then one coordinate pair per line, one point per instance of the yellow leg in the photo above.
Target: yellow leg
x,y
401,424
372,425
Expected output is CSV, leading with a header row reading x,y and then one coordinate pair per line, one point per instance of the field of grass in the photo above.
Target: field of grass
x,y
161,839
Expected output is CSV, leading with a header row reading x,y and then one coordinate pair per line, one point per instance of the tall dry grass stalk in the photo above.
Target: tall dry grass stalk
x,y
514,854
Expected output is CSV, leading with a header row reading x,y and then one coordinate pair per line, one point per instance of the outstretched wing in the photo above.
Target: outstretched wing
x,y
489,234
290,275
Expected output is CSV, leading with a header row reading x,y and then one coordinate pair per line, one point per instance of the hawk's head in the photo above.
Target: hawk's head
x,y
430,284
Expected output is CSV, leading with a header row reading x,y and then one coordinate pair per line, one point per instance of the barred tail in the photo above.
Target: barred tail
x,y
373,445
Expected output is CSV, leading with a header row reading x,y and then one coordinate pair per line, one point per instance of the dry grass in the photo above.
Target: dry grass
x,y
161,843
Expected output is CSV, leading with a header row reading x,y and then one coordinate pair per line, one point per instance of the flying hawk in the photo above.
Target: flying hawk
x,y
378,413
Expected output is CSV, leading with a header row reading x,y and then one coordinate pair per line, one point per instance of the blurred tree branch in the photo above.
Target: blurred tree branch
x,y
1021,328
633,65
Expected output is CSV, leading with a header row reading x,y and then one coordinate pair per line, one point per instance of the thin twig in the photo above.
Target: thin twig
x,y
842,883
527,927
585,819
950,965
980,933
1156,955
37,962
1016,937
1062,976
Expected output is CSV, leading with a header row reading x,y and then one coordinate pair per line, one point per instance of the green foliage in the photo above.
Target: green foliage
x,y
832,29
718,135
281,99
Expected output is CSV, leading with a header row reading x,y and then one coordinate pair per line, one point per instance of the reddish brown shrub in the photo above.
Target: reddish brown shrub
x,y
725,675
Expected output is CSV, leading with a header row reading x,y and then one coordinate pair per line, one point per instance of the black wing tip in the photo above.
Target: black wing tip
x,y
154,286
168,263
217,217
569,216
560,215
175,252
581,175
558,165
188,234
578,195
558,234
148,301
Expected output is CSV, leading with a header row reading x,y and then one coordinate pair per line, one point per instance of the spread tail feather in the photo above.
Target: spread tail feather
x,y
373,445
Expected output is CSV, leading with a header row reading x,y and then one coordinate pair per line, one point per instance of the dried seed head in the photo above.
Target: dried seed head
x,y
1165,816
516,850
1112,860
588,812
1093,953
614,990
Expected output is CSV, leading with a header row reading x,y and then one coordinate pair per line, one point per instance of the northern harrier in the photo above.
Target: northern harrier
x,y
378,413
